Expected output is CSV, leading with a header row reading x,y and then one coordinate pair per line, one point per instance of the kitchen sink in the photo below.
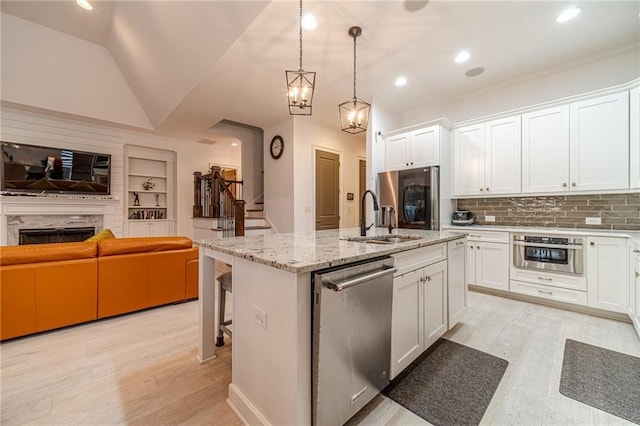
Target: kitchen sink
x,y
384,239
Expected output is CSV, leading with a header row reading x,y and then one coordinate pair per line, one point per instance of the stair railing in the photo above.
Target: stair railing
x,y
213,198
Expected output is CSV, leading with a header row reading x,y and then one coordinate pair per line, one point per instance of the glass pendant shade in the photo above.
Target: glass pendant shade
x,y
300,86
354,115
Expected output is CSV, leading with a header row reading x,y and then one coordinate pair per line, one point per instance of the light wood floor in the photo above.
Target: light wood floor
x,y
142,369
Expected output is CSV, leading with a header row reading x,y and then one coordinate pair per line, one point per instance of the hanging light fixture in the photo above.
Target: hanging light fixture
x,y
300,84
354,114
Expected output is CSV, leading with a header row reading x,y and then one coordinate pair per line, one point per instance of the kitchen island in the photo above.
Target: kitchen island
x,y
271,360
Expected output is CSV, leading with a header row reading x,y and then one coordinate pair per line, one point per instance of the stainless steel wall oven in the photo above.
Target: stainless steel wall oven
x,y
555,253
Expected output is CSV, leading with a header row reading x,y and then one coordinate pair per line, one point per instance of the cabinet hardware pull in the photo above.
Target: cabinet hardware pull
x,y
564,184
592,243
475,236
478,247
545,292
573,184
481,189
428,278
487,188
406,164
637,274
471,247
636,251
545,279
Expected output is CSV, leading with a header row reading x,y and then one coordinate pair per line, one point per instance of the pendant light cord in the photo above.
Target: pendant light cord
x,y
300,26
354,66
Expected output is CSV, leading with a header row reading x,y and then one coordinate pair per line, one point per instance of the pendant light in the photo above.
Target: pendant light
x,y
354,114
300,84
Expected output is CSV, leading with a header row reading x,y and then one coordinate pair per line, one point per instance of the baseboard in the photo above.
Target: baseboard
x,y
555,304
243,408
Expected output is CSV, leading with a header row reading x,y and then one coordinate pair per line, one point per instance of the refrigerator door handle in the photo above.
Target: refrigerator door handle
x,y
435,198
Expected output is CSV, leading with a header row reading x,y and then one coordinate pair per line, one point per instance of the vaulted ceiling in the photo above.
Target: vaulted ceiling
x,y
192,64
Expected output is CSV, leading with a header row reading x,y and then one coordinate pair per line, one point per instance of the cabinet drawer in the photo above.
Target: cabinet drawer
x,y
547,292
488,236
547,279
418,258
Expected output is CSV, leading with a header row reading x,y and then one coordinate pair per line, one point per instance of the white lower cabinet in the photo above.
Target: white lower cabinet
x,y
456,281
487,260
634,286
420,308
407,339
607,279
144,228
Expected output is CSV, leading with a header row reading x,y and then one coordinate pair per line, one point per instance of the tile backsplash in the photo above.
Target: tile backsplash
x,y
617,211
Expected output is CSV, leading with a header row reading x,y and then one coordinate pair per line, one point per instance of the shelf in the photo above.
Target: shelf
x,y
143,191
147,175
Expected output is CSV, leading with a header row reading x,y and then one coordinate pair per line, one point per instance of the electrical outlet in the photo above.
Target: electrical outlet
x,y
593,221
490,218
259,317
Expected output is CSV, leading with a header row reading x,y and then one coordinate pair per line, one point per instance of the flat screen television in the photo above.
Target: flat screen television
x,y
31,168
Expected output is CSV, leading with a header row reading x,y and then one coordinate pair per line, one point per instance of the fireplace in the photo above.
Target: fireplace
x,y
54,235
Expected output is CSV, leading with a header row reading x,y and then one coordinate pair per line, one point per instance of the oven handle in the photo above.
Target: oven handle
x,y
557,246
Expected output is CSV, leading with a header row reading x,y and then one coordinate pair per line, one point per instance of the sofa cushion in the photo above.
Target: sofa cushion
x,y
141,245
105,234
35,253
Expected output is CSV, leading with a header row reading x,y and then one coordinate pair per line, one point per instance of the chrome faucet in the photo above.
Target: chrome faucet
x,y
363,226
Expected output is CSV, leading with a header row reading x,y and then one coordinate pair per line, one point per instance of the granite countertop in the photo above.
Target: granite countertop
x,y
634,235
301,252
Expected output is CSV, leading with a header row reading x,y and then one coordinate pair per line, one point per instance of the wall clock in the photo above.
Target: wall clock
x,y
277,146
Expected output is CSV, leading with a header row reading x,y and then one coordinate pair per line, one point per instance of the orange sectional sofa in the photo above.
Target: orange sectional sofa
x,y
47,286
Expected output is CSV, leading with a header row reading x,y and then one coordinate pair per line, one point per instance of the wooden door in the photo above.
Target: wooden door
x,y
327,190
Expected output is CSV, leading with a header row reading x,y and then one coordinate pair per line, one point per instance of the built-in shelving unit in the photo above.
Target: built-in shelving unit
x,y
150,196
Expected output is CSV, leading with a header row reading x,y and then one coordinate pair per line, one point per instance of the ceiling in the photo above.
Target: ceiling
x,y
192,64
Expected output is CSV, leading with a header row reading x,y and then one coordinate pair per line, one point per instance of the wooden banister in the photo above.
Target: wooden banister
x,y
213,198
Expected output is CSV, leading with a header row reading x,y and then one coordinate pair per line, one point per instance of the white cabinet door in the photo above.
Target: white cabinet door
x,y
435,302
607,274
397,152
634,138
406,322
545,150
456,281
502,156
144,228
470,268
599,141
492,265
634,262
469,160
424,147
635,283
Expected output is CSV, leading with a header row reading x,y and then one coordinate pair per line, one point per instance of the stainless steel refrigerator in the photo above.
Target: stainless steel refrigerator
x,y
410,198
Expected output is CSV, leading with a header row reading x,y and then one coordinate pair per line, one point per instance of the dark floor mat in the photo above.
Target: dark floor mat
x,y
601,378
450,385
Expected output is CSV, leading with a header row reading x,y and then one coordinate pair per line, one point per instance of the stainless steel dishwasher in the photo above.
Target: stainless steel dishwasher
x,y
351,350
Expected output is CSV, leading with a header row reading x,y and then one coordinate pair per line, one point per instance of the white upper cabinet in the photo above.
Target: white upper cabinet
x,y
487,158
599,143
502,156
468,157
634,138
418,148
545,150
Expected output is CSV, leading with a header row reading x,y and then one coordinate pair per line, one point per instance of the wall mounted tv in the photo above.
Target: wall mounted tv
x,y
30,168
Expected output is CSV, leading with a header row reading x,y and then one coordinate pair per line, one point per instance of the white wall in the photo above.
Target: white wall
x,y
279,178
570,81
309,136
48,69
40,129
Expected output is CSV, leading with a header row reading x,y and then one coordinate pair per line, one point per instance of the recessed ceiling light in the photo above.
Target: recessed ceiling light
x,y
568,14
462,56
234,143
84,4
401,81
474,71
309,22
415,5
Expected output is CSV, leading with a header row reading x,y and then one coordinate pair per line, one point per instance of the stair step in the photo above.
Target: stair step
x,y
248,228
254,210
